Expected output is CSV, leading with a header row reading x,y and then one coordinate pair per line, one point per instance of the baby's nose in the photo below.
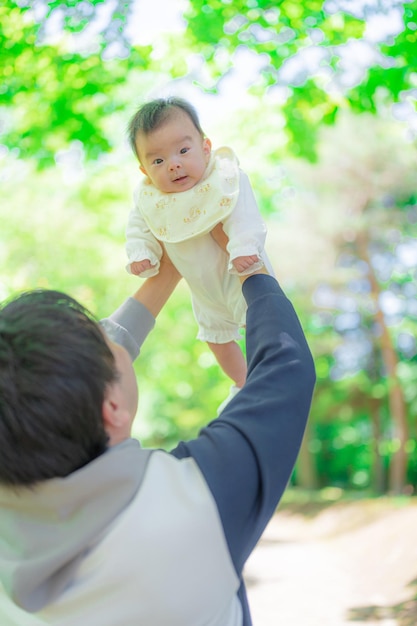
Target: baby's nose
x,y
174,164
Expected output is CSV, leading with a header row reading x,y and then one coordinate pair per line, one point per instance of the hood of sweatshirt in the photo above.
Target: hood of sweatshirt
x,y
45,530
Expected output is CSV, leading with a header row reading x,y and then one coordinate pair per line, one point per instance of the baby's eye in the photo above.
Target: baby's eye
x,y
157,161
184,150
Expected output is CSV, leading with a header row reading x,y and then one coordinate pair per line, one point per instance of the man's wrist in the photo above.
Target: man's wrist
x,y
261,270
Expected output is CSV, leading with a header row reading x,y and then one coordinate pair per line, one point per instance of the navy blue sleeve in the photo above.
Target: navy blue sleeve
x,y
247,454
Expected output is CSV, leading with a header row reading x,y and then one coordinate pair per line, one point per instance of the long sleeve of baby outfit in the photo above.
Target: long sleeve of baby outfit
x,y
245,227
141,244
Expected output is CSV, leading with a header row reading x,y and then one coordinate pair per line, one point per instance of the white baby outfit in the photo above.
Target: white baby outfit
x,y
183,221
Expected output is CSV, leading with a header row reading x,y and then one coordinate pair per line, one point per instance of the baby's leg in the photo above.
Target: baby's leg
x,y
231,359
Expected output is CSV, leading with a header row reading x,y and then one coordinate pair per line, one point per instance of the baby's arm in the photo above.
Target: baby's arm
x,y
246,231
240,263
143,249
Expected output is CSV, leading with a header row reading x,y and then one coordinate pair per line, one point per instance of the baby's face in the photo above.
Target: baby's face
x,y
174,156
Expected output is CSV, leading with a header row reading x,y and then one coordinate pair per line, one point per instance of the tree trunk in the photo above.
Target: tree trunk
x,y
377,470
306,471
397,406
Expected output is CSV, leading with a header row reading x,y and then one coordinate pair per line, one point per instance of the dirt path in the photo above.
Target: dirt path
x,y
351,564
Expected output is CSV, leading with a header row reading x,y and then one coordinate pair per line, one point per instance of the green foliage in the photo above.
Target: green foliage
x,y
276,29
306,109
277,33
391,80
60,89
51,238
53,94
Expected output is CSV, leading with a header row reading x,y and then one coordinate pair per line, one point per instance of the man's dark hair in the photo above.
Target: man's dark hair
x,y
153,114
54,368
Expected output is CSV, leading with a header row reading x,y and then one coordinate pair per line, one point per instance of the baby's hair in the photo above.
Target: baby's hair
x,y
154,113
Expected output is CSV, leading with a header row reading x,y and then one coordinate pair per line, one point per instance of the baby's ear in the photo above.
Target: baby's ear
x,y
207,146
142,169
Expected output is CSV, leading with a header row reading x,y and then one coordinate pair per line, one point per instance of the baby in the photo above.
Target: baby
x,y
188,191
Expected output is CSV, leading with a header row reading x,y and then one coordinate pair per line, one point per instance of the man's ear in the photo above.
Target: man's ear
x,y
110,411
115,415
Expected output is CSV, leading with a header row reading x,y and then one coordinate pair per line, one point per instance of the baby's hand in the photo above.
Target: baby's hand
x,y
137,267
242,263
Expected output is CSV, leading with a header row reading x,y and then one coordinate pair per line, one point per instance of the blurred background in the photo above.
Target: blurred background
x,y
318,99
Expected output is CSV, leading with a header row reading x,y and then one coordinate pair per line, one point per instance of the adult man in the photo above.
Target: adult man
x,y
96,530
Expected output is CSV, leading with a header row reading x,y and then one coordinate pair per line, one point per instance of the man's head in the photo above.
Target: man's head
x,y
166,136
62,388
